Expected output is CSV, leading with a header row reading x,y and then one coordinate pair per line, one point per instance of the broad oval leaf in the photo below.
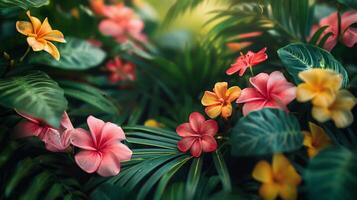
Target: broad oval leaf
x,y
24,4
266,131
76,54
332,174
298,57
35,94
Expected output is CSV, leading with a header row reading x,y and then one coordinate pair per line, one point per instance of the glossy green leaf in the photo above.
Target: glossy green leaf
x,y
24,4
350,3
222,170
35,94
266,131
76,54
332,174
298,57
193,177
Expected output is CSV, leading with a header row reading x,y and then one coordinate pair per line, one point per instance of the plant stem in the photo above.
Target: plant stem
x,y
26,53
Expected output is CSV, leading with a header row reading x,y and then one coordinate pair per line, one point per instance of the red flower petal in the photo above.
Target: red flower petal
x,y
249,95
186,143
209,127
185,130
208,143
196,149
196,119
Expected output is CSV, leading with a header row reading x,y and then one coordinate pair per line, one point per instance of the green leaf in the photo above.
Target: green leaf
x,y
317,35
350,3
298,57
76,54
193,177
222,170
332,174
266,131
35,94
24,4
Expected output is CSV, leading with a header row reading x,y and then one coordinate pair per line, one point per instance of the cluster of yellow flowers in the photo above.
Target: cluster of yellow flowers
x,y
323,88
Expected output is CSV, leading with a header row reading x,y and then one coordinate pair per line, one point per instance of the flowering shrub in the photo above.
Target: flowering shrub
x,y
258,104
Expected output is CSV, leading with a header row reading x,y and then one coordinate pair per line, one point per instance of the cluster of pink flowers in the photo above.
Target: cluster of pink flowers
x,y
101,147
120,71
120,22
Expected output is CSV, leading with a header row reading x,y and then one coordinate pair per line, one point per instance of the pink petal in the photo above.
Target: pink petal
x,y
208,143
259,57
250,94
135,26
331,20
350,37
348,18
184,130
196,119
196,149
330,42
88,160
209,127
66,122
259,82
29,117
111,133
82,139
186,143
110,165
251,106
235,67
95,126
110,27
57,142
27,129
120,150
286,96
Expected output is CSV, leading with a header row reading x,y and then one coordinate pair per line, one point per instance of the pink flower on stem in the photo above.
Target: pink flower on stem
x,y
56,140
348,35
120,71
197,135
272,91
248,60
102,150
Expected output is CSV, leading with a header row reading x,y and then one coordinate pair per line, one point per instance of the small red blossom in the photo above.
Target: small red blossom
x,y
197,135
248,60
121,71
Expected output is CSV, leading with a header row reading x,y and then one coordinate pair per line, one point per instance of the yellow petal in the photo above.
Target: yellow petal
x,y
321,114
227,111
319,138
37,45
52,49
311,76
45,28
213,111
210,98
24,28
344,101
262,172
152,123
220,89
288,192
284,171
307,139
269,191
233,93
305,92
36,23
342,118
311,152
324,99
54,35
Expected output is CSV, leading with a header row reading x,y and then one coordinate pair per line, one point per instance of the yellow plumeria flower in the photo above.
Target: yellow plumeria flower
x,y
278,180
153,123
339,111
219,101
39,34
315,140
320,86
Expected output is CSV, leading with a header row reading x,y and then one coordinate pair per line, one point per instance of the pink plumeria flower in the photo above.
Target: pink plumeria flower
x,y
248,60
120,71
272,91
348,34
197,135
102,150
56,140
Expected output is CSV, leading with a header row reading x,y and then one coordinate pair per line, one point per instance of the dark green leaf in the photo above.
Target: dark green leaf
x,y
193,177
350,3
222,170
25,4
317,35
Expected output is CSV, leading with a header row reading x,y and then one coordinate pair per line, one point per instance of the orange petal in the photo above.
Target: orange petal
x,y
45,28
233,93
288,192
321,114
37,45
282,168
54,35
307,139
342,118
269,191
324,99
220,89
209,98
319,137
24,28
262,172
213,111
52,49
36,23
304,92
227,111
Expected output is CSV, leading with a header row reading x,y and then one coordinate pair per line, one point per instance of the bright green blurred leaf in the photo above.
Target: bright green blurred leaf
x,y
25,4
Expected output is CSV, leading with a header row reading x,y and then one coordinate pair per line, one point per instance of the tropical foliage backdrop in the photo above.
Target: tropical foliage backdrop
x,y
178,99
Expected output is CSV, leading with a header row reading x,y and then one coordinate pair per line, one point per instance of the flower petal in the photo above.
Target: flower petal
x,y
213,111
227,111
259,82
82,139
259,57
24,28
220,88
342,118
185,130
111,28
36,23
233,93
263,172
196,149
44,29
324,98
196,119
252,106
283,167
269,191
208,143
305,92
209,99
249,95
120,150
110,165
110,133
52,49
54,35
210,127
37,45
185,143
89,161
321,114
95,126
27,129
66,122
288,191
349,37
348,18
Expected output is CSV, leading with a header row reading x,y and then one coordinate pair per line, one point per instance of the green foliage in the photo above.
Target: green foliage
x,y
35,94
24,4
266,131
332,174
222,170
299,57
350,3
76,54
180,7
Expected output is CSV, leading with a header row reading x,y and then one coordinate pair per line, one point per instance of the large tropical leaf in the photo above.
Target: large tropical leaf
x,y
76,54
350,3
35,94
298,57
266,131
332,174
25,4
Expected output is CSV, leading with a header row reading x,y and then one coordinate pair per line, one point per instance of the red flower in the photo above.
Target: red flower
x,y
120,71
272,91
198,135
248,60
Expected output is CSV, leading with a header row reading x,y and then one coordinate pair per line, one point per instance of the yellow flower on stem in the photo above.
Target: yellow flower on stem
x,y
153,123
339,111
219,101
278,180
315,140
39,34
320,86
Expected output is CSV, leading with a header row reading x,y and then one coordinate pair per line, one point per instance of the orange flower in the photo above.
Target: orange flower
x,y
39,34
219,101
278,179
315,140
